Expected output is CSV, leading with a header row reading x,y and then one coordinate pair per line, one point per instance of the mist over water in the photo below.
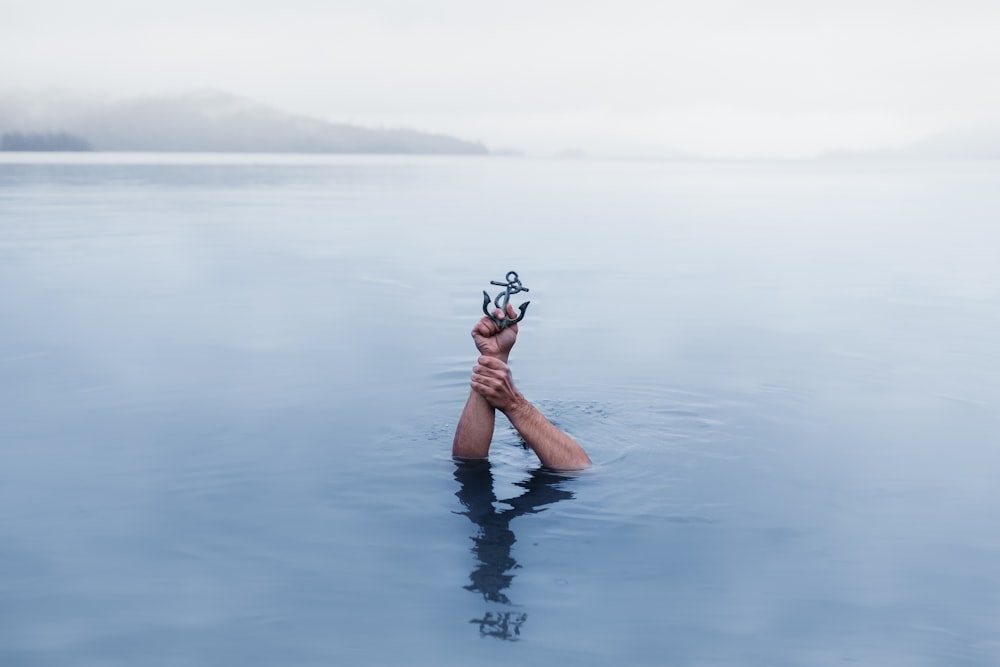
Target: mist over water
x,y
635,78
228,386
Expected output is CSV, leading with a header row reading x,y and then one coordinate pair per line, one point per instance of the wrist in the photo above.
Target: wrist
x,y
516,407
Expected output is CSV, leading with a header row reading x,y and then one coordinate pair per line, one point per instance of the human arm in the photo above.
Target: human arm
x,y
475,427
492,379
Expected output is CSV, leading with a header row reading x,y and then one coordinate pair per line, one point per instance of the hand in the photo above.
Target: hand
x,y
492,379
491,340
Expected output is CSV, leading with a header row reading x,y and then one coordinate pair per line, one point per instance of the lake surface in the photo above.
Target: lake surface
x,y
228,387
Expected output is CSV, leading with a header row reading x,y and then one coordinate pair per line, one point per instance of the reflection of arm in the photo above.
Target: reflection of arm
x,y
492,379
475,429
542,488
476,490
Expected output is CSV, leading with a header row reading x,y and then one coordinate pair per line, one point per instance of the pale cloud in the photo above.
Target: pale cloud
x,y
724,78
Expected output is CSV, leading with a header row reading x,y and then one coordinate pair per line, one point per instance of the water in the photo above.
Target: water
x,y
228,386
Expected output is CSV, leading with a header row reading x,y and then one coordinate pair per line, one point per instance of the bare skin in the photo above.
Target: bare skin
x,y
493,389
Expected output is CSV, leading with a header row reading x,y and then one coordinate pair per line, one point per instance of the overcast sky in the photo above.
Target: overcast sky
x,y
718,77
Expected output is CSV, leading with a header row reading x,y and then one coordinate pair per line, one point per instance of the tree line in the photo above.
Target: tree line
x,y
43,141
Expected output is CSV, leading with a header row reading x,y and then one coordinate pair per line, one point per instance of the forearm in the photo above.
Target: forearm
x,y
554,448
475,429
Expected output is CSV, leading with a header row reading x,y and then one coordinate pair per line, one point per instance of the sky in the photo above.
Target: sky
x,y
719,78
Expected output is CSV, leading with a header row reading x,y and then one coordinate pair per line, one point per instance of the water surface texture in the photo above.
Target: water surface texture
x,y
228,386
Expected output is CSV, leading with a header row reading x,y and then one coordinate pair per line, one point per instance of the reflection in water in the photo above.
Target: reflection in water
x,y
493,543
503,625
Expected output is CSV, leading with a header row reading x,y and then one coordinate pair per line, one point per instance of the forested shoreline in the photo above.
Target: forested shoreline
x,y
43,141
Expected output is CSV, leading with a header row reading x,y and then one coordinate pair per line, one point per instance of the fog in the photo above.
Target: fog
x,y
643,78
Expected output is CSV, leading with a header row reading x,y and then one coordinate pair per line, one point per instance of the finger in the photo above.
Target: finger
x,y
492,362
484,327
479,389
487,377
486,380
513,315
482,387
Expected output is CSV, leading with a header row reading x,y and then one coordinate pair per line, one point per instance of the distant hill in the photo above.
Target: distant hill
x,y
216,122
42,141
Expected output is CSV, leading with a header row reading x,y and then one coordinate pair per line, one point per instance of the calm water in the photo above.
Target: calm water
x,y
228,387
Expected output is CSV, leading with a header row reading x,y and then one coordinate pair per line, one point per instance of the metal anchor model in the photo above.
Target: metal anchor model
x,y
512,286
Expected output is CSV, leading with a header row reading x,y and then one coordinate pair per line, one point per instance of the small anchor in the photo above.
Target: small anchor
x,y
512,286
